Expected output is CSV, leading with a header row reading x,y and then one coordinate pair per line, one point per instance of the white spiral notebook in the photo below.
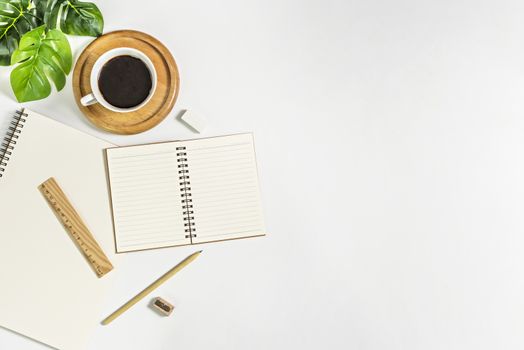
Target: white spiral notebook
x,y
49,292
185,192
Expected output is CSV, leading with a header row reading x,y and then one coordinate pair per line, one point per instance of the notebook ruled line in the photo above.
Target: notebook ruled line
x,y
168,185
150,237
159,210
217,168
148,243
113,157
231,220
163,179
232,145
145,172
153,195
140,161
150,225
220,175
233,233
210,161
149,203
213,205
140,217
231,212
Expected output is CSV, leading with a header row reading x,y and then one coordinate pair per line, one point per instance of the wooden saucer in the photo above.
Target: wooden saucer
x,y
150,114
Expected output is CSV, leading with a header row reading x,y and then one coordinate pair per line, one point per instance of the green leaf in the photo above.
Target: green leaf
x,y
16,18
74,17
81,18
42,56
48,10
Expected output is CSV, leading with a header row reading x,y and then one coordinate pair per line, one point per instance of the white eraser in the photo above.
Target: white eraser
x,y
196,122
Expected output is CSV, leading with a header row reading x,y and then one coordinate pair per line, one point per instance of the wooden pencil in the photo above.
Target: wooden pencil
x,y
151,287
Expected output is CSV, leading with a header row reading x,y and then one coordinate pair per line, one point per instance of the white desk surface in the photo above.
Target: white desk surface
x,y
389,137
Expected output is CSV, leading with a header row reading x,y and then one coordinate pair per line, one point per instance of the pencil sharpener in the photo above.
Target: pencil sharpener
x,y
162,307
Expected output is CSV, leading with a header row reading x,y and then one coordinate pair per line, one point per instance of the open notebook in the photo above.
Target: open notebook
x,y
185,192
49,291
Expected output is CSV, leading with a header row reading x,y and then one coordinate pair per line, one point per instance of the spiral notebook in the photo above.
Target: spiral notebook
x,y
185,192
49,292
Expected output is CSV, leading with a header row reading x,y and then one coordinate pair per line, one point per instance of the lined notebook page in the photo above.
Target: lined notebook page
x,y
224,188
145,192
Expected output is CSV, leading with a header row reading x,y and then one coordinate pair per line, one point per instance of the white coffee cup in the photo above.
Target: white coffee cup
x,y
97,97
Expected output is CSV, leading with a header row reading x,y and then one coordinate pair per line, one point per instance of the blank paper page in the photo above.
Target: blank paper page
x,y
224,188
145,192
49,291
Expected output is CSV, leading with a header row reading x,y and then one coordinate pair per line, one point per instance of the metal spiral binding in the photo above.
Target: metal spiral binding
x,y
9,142
185,189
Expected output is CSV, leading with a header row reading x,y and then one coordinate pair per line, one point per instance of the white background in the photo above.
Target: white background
x,y
389,137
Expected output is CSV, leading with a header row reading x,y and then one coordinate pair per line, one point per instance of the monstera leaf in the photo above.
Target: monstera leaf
x,y
31,34
16,18
73,17
81,18
42,56
48,10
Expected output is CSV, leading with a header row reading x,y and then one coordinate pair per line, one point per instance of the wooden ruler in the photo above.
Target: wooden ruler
x,y
76,227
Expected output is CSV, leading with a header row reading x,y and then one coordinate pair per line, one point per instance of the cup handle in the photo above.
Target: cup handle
x,y
88,100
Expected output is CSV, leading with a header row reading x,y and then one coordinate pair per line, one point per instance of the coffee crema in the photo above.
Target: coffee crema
x,y
125,81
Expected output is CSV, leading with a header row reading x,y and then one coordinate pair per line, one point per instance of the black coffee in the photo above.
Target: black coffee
x,y
125,81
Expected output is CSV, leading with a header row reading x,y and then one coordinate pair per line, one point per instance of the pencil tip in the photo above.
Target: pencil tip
x,y
200,251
